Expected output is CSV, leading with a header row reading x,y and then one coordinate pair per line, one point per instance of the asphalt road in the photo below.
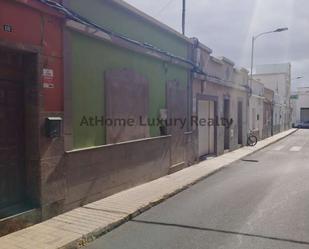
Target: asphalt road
x,y
261,202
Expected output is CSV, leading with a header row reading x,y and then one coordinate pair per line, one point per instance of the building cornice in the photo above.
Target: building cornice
x,y
149,19
98,34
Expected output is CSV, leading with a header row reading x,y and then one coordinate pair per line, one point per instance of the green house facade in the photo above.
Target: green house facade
x,y
127,78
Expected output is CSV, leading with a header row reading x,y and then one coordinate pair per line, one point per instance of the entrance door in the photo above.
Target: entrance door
x,y
11,131
239,124
226,130
304,114
177,111
206,111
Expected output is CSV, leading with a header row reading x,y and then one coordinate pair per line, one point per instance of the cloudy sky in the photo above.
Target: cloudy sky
x,y
226,26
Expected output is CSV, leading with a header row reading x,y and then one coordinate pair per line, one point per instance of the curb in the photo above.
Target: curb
x,y
86,239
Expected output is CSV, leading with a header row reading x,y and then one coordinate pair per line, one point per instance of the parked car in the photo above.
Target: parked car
x,y
304,125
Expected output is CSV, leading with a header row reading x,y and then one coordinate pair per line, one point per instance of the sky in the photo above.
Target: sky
x,y
227,27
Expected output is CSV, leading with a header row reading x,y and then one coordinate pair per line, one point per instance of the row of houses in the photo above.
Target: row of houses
x,y
98,97
277,77
270,109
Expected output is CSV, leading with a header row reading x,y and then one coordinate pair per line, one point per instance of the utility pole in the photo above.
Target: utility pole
x,y
183,16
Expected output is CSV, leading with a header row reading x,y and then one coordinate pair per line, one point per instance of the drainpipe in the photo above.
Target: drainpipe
x,y
272,118
193,57
248,109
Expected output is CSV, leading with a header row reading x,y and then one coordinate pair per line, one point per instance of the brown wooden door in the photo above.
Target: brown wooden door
x,y
11,136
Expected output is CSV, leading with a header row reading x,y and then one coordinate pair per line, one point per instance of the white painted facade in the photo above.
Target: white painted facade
x,y
299,100
278,113
256,108
277,77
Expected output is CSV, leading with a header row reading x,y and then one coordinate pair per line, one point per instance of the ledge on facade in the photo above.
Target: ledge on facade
x,y
118,144
244,70
226,60
149,19
98,34
200,45
217,60
258,96
221,82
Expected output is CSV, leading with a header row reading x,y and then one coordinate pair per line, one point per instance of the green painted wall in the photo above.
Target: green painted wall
x,y
90,59
119,20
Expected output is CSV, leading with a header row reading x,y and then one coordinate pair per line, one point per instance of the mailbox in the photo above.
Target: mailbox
x,y
53,127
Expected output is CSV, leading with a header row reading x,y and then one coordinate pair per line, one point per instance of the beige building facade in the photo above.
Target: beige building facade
x,y
221,92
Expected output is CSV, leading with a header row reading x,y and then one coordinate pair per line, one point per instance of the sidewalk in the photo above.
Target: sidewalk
x,y
82,225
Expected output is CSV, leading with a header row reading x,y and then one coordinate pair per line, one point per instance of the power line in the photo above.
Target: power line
x,y
70,14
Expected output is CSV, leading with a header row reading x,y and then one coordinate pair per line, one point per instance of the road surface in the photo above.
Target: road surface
x,y
260,202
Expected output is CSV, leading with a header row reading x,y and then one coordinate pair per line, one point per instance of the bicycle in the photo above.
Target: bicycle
x,y
252,139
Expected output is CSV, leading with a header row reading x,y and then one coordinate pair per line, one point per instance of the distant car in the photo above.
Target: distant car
x,y
303,125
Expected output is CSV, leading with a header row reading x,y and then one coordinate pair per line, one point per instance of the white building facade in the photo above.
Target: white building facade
x,y
256,109
277,77
300,105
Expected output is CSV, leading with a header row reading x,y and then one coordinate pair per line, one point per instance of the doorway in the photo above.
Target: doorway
x,y
226,115
206,132
177,110
304,114
12,129
239,123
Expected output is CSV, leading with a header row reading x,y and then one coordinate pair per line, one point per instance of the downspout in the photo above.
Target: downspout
x,y
193,58
272,118
248,111
189,134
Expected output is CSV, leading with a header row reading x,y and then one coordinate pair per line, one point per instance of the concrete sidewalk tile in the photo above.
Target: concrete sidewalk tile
x,y
102,214
85,223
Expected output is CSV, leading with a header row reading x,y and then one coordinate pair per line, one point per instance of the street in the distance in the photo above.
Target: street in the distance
x,y
258,202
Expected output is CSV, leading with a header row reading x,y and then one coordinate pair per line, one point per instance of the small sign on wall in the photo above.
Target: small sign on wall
x,y
48,85
48,78
7,28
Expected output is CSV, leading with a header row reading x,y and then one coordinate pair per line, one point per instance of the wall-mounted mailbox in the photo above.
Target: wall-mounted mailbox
x,y
53,127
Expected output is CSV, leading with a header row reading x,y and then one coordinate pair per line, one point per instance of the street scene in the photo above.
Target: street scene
x,y
255,203
154,124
